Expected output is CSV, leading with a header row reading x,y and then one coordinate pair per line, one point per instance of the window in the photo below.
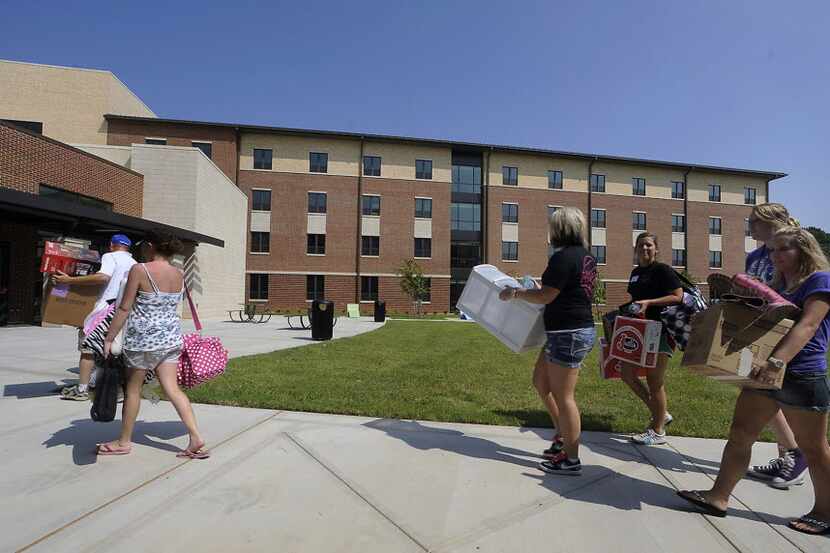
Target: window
x,y
465,216
260,242
371,166
423,208
317,202
715,226
597,183
33,126
555,180
368,288
510,175
258,286
466,179
261,200
263,158
678,258
747,230
423,247
598,218
318,162
206,147
598,252
510,251
423,169
316,244
72,197
156,141
509,213
370,245
315,287
638,186
370,205
678,223
638,221
427,295
678,190
749,196
714,192
551,210
715,260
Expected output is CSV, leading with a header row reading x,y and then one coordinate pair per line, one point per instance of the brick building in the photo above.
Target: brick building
x,y
334,214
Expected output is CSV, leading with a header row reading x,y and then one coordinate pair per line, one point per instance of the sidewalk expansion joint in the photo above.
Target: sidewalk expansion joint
x,y
354,489
140,486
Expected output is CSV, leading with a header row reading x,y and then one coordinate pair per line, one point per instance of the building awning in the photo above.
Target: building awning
x,y
68,217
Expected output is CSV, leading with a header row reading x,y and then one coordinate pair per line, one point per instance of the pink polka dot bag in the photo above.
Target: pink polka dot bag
x,y
203,358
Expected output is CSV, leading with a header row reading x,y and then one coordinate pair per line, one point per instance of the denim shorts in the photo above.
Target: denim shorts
x,y
810,392
568,348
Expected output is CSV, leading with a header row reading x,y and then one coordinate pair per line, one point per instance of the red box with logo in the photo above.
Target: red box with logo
x,y
67,258
610,367
635,341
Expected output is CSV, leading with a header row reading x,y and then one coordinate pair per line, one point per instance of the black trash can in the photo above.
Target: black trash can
x,y
380,311
322,319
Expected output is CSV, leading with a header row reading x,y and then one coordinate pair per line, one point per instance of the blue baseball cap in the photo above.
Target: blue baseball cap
x,y
121,239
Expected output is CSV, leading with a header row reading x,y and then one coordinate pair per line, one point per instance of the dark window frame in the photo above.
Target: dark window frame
x,y
425,250
715,193
67,196
155,141
635,215
750,195
555,179
681,219
674,260
715,229
314,206
595,253
258,285
318,162
209,152
509,175
260,243
255,204
509,250
636,184
369,288
678,190
597,182
315,244
370,246
372,166
509,212
260,162
747,229
315,287
423,213
604,218
369,209
423,169
715,259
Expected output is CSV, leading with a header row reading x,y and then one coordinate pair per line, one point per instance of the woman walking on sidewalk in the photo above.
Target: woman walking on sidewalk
x,y
652,285
152,340
802,277
567,289
789,468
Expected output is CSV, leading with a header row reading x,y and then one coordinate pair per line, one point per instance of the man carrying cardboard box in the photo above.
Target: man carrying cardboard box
x,y
115,266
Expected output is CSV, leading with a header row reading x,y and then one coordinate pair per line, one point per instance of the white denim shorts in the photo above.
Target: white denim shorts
x,y
150,360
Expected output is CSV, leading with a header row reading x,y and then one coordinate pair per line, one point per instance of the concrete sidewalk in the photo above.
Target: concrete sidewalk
x,y
303,482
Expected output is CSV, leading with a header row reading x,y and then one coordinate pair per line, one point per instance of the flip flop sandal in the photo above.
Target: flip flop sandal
x,y
107,449
198,454
696,498
817,527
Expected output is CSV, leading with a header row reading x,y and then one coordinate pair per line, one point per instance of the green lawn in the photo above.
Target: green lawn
x,y
449,371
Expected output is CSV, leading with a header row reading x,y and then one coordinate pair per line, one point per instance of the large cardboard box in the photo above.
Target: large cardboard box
x,y
635,341
68,258
519,325
729,339
612,368
68,305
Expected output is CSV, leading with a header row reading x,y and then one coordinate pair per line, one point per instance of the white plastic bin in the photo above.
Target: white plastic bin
x,y
517,324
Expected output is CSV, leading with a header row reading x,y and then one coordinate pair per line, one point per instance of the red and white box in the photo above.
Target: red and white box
x,y
635,341
612,368
70,259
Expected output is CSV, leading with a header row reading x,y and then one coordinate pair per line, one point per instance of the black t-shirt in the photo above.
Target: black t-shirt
x,y
655,281
573,272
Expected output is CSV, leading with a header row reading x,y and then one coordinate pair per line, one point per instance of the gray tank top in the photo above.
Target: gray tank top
x,y
154,322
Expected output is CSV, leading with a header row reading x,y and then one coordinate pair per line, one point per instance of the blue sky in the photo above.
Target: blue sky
x,y
736,83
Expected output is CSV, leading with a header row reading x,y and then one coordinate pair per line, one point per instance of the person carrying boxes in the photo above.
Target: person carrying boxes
x,y
115,266
567,289
802,276
652,286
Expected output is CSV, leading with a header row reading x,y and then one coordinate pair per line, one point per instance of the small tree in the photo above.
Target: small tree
x,y
413,283
599,297
823,239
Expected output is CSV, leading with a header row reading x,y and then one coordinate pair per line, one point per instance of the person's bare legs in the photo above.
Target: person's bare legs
x,y
541,381
783,433
563,387
810,430
752,412
132,403
85,366
628,373
656,379
166,373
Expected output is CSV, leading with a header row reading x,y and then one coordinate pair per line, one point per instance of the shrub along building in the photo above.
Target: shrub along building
x,y
334,214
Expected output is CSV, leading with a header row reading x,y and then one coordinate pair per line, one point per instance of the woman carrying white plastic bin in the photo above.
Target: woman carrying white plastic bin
x,y
567,289
802,276
652,285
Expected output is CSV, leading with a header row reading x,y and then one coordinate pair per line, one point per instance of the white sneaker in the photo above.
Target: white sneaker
x,y
649,437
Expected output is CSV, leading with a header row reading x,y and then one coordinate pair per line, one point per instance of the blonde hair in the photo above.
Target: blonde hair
x,y
775,215
810,256
568,228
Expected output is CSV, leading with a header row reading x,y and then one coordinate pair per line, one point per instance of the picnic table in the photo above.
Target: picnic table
x,y
250,313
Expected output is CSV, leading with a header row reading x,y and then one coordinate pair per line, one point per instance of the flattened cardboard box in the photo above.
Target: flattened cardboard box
x,y
728,339
68,305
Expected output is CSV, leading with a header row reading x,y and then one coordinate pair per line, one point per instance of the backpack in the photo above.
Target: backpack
x,y
677,319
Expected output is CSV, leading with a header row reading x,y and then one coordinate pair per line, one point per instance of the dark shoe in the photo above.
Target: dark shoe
x,y
769,471
555,448
561,465
793,471
696,498
810,525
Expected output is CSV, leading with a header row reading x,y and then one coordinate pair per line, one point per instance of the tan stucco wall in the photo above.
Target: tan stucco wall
x,y
70,102
732,187
618,178
398,160
533,170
